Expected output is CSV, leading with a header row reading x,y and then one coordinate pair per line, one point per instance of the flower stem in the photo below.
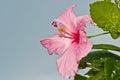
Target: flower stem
x,y
96,35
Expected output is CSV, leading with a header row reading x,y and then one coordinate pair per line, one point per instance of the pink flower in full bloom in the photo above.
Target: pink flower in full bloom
x,y
71,42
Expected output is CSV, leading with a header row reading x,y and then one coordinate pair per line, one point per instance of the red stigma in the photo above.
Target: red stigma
x,y
54,24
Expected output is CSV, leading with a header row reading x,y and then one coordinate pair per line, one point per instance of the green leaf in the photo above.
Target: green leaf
x,y
108,0
96,59
117,1
109,68
100,66
106,47
91,72
79,77
112,69
97,55
96,62
107,16
82,64
97,76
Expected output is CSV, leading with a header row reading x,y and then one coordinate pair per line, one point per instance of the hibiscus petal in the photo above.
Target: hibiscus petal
x,y
83,49
67,19
56,44
82,20
67,63
83,37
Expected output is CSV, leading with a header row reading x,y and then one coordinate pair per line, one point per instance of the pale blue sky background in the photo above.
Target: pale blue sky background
x,y
22,24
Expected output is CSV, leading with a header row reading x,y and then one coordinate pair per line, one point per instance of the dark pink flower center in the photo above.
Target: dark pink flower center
x,y
76,37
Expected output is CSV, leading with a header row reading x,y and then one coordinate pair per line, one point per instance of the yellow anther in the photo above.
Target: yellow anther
x,y
61,29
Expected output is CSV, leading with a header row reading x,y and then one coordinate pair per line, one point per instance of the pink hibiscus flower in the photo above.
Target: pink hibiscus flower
x,y
71,43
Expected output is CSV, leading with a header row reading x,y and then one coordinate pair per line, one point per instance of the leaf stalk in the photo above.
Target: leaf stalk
x,y
96,35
